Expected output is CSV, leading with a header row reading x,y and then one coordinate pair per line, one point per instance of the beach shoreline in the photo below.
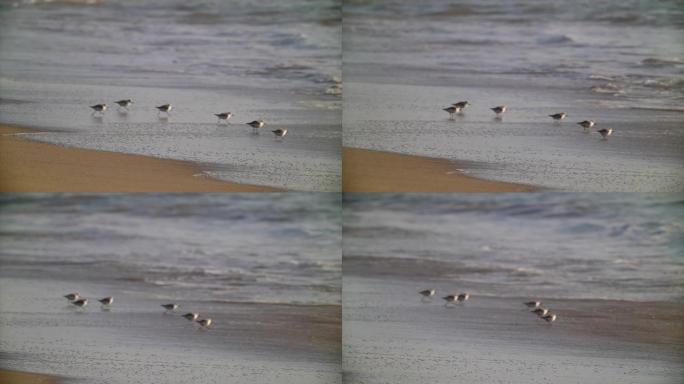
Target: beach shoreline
x,y
367,170
244,344
492,339
32,166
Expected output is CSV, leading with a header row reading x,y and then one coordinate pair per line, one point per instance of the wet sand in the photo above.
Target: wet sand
x,y
375,171
137,341
391,336
30,166
13,377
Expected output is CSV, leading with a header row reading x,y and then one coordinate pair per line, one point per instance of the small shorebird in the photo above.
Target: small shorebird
x,y
427,293
541,311
73,296
558,116
549,317
500,110
80,303
532,304
223,116
191,316
99,108
280,133
605,132
462,297
107,301
586,124
452,110
170,307
205,323
256,124
450,299
461,105
124,103
166,108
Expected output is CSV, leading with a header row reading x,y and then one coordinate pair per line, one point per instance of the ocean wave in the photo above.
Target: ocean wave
x,y
664,83
454,11
422,267
462,41
201,18
556,39
610,88
656,62
630,18
602,77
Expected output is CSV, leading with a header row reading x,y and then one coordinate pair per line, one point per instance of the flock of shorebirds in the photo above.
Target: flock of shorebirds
x,y
124,104
537,308
429,294
457,109
76,299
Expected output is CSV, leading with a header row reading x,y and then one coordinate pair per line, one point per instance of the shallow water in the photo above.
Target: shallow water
x,y
618,63
580,246
278,61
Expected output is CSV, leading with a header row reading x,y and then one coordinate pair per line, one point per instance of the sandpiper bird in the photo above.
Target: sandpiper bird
x,y
463,297
558,116
450,299
107,300
223,116
541,311
170,307
280,133
452,110
204,322
499,110
427,293
549,317
256,124
80,302
191,316
166,108
73,296
605,132
461,105
124,103
586,124
101,108
533,304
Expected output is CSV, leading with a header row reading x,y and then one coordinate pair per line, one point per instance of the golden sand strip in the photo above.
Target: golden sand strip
x,y
374,171
13,377
31,166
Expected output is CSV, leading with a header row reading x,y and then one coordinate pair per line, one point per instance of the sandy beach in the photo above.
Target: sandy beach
x,y
136,341
14,377
275,309
404,62
607,265
283,67
30,166
376,171
393,337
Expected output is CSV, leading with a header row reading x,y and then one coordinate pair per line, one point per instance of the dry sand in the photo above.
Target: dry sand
x,y
31,166
375,171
